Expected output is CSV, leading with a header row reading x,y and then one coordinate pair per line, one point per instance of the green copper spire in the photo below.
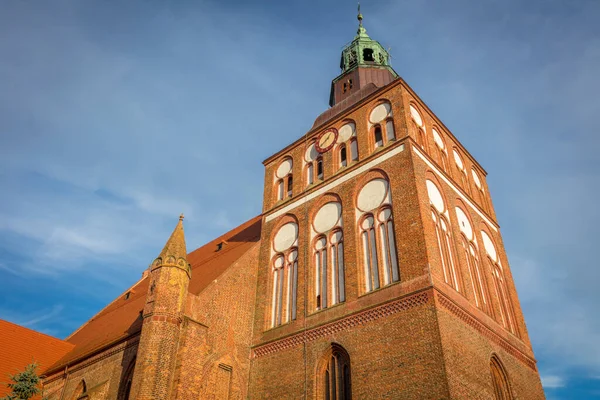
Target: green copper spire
x,y
363,51
361,29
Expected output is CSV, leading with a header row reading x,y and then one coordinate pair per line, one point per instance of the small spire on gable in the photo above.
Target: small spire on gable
x,y
174,253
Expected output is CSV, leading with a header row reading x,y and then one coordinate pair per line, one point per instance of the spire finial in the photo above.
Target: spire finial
x,y
359,16
181,216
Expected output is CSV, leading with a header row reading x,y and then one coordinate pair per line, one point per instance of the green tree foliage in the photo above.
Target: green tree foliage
x,y
24,385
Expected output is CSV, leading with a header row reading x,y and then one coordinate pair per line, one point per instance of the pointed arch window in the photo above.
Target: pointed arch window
x,y
320,168
480,191
440,147
381,125
125,387
80,391
389,130
335,375
347,140
443,235
506,310
376,235
353,149
343,156
470,253
284,266
462,171
419,127
284,180
328,256
500,380
377,136
310,173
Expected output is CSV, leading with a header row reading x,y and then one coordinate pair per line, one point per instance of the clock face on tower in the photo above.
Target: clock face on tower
x,y
326,140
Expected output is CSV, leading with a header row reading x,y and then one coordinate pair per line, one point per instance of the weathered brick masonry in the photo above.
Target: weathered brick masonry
x,y
375,271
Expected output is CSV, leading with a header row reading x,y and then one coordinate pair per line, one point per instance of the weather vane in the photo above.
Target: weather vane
x,y
360,17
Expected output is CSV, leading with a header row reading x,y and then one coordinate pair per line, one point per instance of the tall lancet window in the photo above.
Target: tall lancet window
x,y
461,171
506,310
470,252
381,125
347,149
311,157
376,234
334,375
480,191
328,255
419,127
284,180
443,235
440,147
284,266
500,380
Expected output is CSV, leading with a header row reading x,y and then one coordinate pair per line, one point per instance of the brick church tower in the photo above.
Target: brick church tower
x,y
382,272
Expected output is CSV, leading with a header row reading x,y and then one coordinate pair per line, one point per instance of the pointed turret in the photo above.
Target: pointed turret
x,y
174,253
170,275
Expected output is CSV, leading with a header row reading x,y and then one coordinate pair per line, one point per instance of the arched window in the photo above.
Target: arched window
x,y
80,391
480,191
353,149
310,158
290,185
369,245
470,251
389,130
461,170
320,168
309,174
380,118
328,256
440,218
499,380
347,138
506,310
334,378
440,147
125,386
419,127
284,265
283,178
343,157
377,136
376,234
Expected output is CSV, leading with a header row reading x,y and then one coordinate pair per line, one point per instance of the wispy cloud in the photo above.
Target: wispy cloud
x,y
553,381
107,135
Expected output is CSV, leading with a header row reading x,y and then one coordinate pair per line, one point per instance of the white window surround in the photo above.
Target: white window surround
x,y
336,182
493,225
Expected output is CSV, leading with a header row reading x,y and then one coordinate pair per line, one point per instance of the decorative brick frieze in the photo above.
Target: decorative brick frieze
x,y
485,331
343,324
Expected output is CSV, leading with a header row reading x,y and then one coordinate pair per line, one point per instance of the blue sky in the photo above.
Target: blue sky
x,y
117,116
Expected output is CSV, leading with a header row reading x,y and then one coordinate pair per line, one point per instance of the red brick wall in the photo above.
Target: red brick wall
x,y
103,374
221,334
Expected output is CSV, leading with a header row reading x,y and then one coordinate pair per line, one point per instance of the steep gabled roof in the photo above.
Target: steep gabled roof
x,y
122,318
20,346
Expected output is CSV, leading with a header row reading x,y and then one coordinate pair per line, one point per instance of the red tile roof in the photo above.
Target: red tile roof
x,y
20,346
121,318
